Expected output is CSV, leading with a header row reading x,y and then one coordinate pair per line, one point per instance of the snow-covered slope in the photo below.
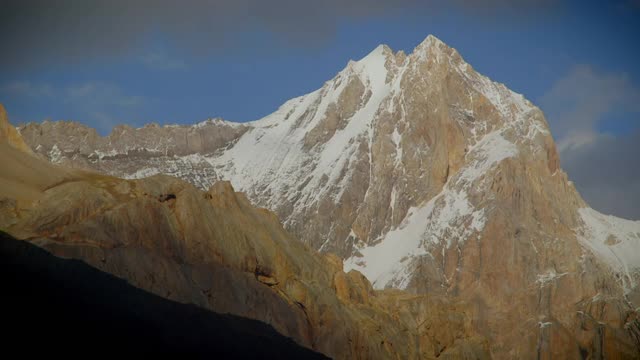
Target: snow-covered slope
x,y
616,241
445,217
274,156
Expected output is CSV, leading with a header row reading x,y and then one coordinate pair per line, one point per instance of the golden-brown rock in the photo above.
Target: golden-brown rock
x,y
216,250
9,134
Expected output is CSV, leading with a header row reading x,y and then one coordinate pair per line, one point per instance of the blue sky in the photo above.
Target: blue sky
x,y
125,64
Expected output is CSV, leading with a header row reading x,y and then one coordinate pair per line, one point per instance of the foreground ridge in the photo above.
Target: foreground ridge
x,y
97,308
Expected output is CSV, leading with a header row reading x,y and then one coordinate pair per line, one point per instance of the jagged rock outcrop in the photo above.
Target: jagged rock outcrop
x,y
9,133
215,250
133,153
426,176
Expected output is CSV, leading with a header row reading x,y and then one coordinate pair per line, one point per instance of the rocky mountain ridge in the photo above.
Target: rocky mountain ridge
x,y
134,153
215,250
425,176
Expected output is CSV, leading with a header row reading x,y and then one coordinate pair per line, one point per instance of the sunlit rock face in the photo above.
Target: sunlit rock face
x,y
425,176
9,134
215,249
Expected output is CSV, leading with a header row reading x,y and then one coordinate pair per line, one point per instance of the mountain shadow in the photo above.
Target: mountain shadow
x,y
68,308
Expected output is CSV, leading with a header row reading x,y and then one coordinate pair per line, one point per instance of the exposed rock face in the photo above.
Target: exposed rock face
x,y
9,134
134,153
214,249
426,176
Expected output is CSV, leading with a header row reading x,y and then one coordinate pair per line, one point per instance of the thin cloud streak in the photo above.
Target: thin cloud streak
x,y
605,167
27,89
160,61
606,171
577,103
102,104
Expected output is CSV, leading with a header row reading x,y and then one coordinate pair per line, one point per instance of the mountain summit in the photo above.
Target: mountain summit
x,y
424,175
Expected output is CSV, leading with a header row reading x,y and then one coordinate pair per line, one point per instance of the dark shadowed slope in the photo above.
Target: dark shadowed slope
x,y
66,307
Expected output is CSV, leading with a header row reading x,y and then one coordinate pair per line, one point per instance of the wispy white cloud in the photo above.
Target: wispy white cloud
x,y
101,104
582,99
606,171
604,166
161,61
88,93
26,88
103,121
99,94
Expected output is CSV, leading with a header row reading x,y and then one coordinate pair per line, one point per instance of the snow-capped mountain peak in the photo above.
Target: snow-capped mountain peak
x,y
423,175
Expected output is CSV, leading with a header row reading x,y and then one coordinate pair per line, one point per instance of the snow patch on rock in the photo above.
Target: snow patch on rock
x,y
446,218
614,240
55,155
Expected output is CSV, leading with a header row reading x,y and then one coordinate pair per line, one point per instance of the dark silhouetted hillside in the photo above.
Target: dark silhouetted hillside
x,y
67,308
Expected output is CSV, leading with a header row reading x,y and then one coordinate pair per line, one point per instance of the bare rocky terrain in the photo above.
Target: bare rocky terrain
x,y
214,249
413,169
